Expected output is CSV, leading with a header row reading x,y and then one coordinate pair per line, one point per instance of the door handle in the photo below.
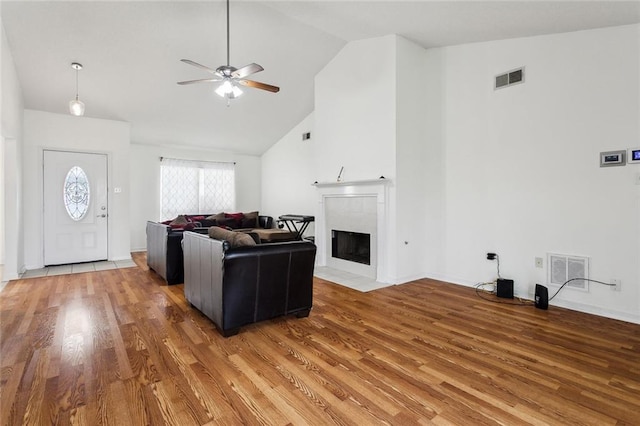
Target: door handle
x,y
102,215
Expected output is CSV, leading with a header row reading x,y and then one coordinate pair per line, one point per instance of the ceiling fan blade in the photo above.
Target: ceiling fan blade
x,y
258,85
202,80
246,70
195,64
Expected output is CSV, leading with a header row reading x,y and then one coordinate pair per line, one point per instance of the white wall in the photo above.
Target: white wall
x,y
11,137
371,103
145,183
521,173
355,105
413,174
288,172
434,190
370,107
82,134
513,171
2,242
355,127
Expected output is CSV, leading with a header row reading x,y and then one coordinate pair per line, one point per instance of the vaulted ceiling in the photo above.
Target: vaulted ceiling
x,y
131,53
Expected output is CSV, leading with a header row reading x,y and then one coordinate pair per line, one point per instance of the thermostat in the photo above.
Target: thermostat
x,y
612,158
634,155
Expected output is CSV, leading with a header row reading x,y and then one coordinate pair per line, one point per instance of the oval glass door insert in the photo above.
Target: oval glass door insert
x,y
76,193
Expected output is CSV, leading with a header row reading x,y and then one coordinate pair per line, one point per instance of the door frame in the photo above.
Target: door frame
x,y
110,200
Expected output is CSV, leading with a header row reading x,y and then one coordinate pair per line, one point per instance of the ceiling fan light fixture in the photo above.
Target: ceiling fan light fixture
x,y
76,106
236,91
228,90
230,76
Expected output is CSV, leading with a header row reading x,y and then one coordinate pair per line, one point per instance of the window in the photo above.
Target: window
x,y
76,193
191,187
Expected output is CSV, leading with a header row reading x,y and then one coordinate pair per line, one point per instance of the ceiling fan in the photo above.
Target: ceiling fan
x,y
230,76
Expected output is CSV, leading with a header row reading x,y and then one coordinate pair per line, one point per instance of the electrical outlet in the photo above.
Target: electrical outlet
x,y
538,262
616,284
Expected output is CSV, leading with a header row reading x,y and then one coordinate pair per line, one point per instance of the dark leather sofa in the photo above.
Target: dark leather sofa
x,y
239,286
164,248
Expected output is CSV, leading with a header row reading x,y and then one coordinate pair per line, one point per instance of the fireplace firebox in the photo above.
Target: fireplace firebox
x,y
352,246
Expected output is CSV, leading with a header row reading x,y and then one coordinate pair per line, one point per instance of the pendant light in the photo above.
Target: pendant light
x,y
76,106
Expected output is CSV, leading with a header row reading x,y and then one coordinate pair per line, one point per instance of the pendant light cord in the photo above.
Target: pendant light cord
x,y
77,92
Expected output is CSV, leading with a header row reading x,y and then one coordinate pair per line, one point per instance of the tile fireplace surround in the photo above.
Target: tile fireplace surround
x,y
355,206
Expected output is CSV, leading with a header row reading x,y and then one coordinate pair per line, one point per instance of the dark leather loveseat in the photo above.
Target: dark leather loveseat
x,y
243,285
164,248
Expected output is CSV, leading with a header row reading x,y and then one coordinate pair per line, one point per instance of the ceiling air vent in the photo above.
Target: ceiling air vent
x,y
510,78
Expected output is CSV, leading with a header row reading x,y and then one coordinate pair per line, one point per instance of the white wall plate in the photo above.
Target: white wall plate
x,y
612,158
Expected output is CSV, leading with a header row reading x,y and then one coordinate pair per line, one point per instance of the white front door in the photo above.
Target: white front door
x,y
75,207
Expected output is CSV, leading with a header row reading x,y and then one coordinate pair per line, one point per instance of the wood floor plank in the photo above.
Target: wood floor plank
x,y
122,347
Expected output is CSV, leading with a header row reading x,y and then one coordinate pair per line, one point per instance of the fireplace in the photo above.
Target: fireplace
x,y
359,210
351,246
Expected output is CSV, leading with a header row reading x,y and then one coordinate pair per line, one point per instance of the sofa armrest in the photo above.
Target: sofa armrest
x,y
157,247
203,273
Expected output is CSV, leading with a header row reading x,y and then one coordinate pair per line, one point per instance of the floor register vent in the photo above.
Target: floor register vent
x,y
509,78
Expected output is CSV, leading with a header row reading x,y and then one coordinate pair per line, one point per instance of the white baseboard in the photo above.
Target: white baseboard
x,y
594,310
574,306
116,259
138,250
9,277
408,278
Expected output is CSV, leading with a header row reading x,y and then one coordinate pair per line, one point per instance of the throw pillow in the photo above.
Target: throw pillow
x,y
235,239
219,233
178,222
250,220
228,222
217,216
237,217
242,240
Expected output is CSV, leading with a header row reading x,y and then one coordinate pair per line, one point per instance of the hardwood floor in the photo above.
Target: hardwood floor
x,y
121,347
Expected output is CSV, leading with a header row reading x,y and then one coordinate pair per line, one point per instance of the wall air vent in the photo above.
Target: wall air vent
x,y
509,78
563,267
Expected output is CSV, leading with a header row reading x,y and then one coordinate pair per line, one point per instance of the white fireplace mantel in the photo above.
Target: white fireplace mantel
x,y
379,181
377,188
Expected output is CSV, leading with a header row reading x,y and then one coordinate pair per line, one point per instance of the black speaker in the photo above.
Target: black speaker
x,y
505,288
542,297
